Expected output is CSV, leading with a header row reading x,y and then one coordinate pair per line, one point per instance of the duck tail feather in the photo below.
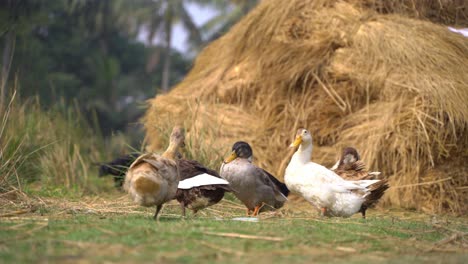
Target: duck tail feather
x,y
377,190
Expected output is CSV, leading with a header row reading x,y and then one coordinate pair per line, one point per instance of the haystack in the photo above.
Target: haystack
x,y
448,12
394,87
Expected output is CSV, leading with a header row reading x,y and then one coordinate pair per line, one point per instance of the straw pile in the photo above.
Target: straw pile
x,y
448,12
395,88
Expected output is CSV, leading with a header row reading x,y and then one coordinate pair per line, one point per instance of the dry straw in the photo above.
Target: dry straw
x,y
394,87
449,12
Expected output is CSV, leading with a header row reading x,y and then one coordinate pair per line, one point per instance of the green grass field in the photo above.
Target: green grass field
x,y
112,229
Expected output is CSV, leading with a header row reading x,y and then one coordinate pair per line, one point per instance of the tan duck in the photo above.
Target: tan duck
x,y
350,167
253,186
152,180
198,188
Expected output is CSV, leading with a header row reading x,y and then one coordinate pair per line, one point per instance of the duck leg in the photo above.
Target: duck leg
x,y
158,208
256,210
182,206
363,211
323,211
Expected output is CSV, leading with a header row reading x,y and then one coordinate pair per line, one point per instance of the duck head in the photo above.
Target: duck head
x,y
176,141
177,137
303,138
349,155
242,150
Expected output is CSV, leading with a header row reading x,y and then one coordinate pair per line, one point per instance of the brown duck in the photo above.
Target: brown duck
x,y
350,167
199,186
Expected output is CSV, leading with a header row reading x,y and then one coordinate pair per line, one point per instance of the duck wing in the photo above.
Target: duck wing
x,y
320,175
376,190
355,171
365,183
281,186
267,179
194,174
201,180
191,168
160,164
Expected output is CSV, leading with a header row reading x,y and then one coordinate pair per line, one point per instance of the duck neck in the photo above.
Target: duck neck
x,y
171,152
300,158
304,153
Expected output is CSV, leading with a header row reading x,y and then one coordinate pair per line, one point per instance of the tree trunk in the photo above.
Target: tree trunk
x,y
167,49
8,51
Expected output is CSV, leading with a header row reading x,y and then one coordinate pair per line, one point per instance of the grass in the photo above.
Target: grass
x,y
96,229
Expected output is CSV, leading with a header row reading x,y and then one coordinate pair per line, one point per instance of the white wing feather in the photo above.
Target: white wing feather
x,y
201,180
365,183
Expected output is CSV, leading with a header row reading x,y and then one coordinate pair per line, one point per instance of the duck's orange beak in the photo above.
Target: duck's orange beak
x,y
231,157
296,142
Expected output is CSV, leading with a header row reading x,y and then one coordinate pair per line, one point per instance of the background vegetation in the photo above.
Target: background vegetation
x,y
75,76
88,51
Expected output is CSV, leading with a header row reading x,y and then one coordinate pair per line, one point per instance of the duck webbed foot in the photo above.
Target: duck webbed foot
x,y
257,209
255,212
248,212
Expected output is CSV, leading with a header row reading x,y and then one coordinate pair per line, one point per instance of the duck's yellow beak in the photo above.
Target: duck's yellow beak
x,y
296,142
231,157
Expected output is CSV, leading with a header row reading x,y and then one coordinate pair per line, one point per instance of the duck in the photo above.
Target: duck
x,y
117,167
351,167
199,186
322,187
255,187
152,179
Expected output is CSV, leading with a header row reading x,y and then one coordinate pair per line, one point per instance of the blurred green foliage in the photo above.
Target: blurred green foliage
x,y
86,52
83,51
74,78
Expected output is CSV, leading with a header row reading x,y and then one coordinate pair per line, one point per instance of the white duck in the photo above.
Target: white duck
x,y
333,195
